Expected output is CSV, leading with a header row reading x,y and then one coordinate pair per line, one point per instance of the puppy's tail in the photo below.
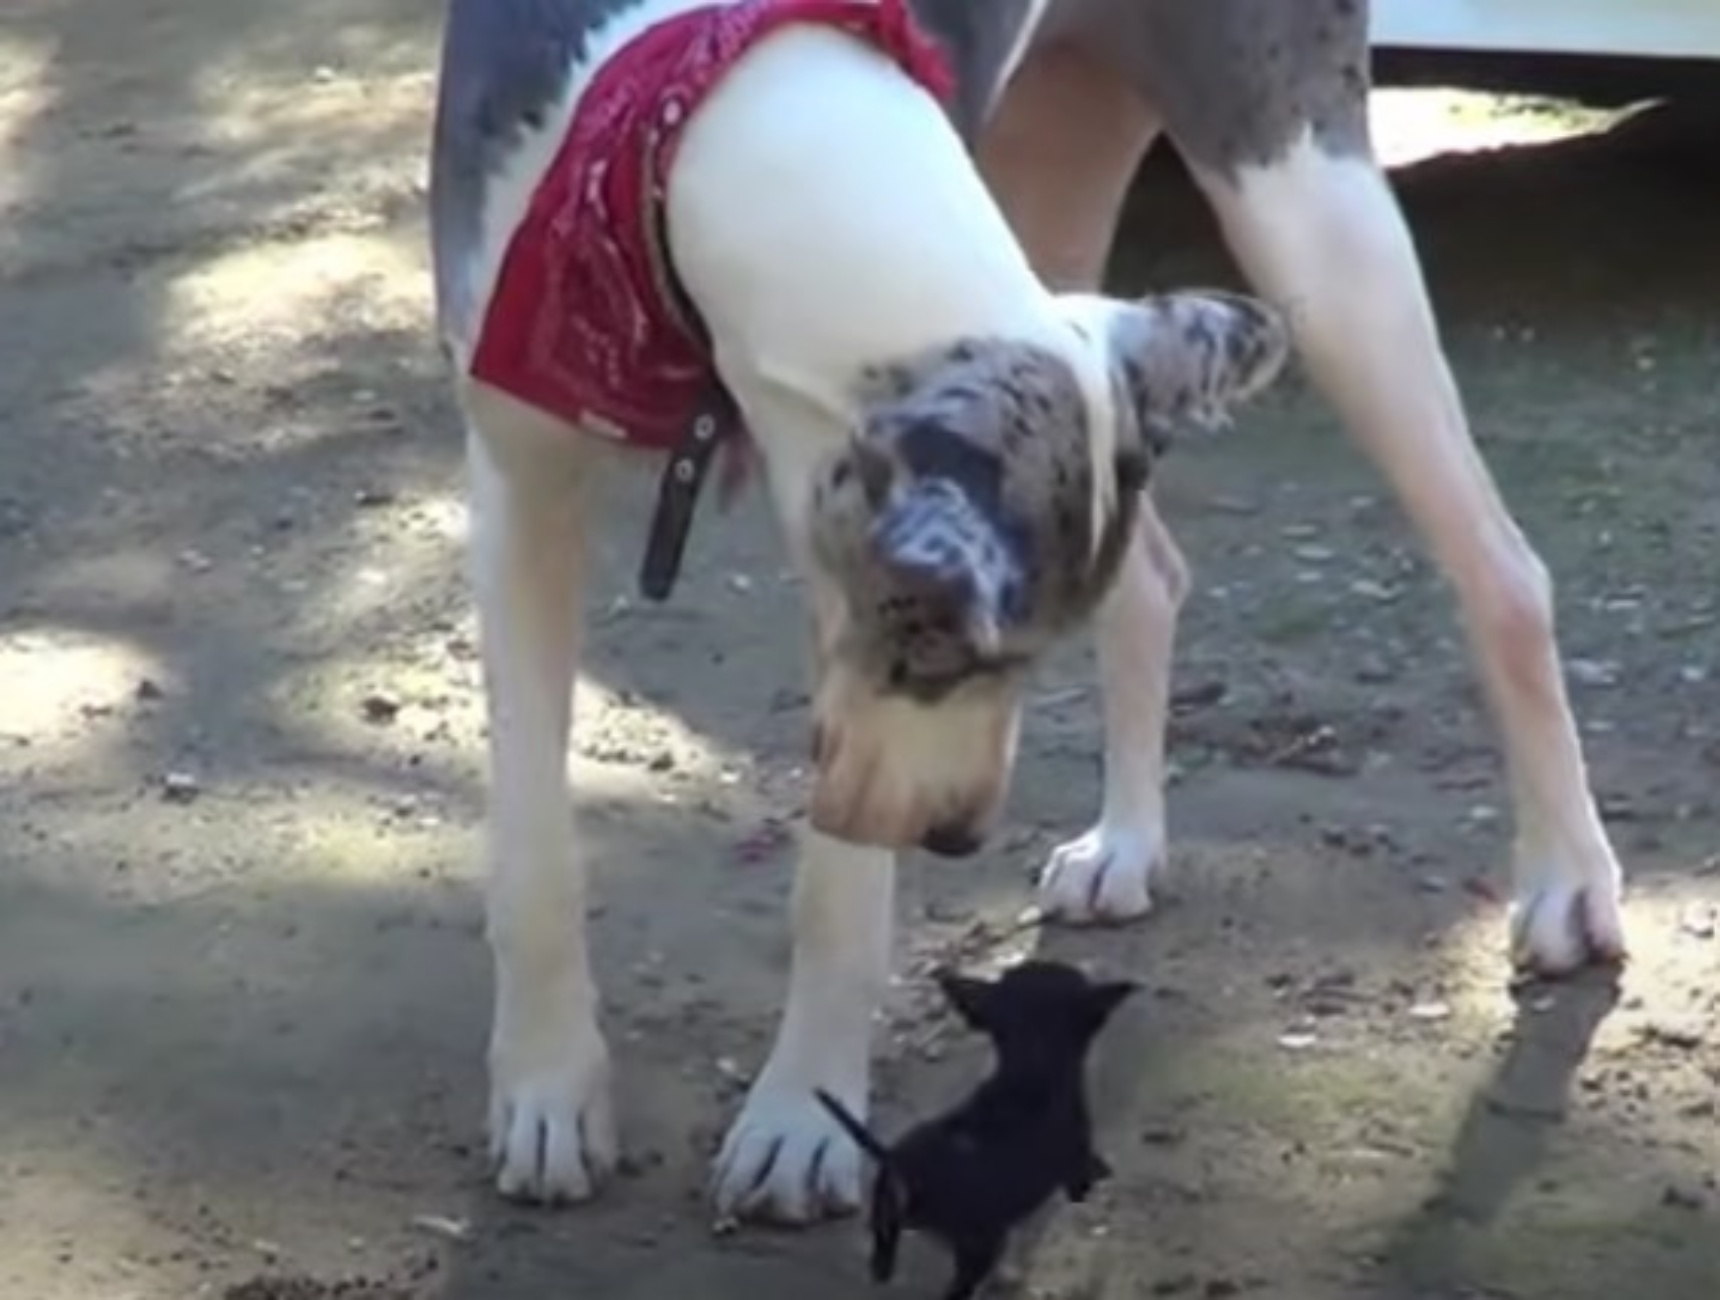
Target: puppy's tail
x,y
864,1138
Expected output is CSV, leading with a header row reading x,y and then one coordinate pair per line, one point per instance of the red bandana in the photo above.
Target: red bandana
x,y
584,322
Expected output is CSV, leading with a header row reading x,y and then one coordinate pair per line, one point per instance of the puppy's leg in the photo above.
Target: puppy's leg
x,y
785,1158
976,1261
1059,154
889,1209
1092,1171
552,1133
1323,234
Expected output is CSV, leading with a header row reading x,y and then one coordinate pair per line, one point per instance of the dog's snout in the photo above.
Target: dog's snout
x,y
952,840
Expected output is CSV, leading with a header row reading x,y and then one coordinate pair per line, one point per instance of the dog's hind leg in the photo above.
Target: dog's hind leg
x,y
1268,103
552,1132
1059,153
786,1158
1323,235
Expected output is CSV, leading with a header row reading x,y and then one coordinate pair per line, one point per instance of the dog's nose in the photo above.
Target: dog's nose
x,y
952,840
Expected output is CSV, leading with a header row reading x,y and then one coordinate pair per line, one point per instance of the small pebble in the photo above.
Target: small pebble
x,y
440,1225
180,787
1372,590
1593,672
1698,923
1681,1198
1683,1034
379,707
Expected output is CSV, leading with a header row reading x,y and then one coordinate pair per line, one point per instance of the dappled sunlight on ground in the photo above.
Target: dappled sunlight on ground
x,y
26,91
264,298
54,682
1411,125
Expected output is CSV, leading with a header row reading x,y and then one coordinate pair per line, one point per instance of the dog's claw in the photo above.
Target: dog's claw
x,y
1558,927
785,1160
552,1133
552,1125
1102,877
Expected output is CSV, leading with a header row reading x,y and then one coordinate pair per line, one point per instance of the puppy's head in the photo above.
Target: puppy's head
x,y
1039,1013
979,513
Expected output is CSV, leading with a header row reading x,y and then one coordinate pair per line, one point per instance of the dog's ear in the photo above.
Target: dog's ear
x,y
935,545
1103,1000
971,998
1193,355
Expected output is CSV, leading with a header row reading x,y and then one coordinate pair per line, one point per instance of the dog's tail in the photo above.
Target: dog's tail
x,y
864,1138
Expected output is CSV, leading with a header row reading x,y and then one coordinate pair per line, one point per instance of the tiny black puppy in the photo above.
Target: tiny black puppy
x,y
971,1175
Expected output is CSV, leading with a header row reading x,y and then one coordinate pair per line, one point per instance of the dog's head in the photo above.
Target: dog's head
x,y
980,512
1039,1014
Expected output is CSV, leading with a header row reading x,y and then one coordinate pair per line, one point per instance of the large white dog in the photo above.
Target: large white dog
x,y
798,226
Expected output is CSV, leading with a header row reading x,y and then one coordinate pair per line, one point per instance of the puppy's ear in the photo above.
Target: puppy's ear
x,y
1104,999
971,998
1194,355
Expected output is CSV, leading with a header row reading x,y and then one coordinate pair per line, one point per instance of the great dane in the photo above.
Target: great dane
x,y
886,236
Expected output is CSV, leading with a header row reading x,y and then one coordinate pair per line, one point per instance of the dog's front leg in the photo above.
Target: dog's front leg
x,y
1106,874
552,1133
785,1159
1058,155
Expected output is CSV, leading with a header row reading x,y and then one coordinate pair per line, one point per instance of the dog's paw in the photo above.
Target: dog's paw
x,y
1559,925
1102,877
552,1124
785,1160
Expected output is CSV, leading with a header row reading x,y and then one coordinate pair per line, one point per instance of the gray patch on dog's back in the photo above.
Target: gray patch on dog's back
x,y
504,63
1237,81
977,37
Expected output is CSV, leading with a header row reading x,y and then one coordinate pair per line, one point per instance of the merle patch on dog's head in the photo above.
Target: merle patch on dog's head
x,y
980,512
939,520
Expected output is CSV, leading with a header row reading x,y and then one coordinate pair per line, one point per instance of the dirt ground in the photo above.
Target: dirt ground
x,y
243,990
